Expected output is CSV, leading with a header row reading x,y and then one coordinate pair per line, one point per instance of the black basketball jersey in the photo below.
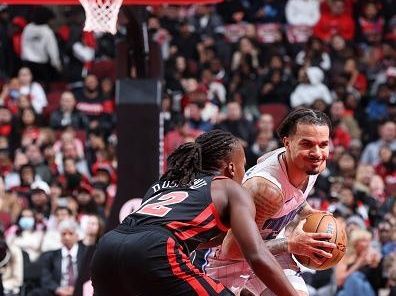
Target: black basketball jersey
x,y
188,212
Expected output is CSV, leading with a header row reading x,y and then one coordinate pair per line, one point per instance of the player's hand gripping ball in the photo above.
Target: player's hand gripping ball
x,y
324,222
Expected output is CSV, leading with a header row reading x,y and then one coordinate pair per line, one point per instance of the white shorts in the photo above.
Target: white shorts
x,y
237,275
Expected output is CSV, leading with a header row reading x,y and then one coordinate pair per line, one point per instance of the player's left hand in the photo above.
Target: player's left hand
x,y
309,244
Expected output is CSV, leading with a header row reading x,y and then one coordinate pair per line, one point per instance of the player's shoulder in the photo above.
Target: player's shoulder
x,y
260,185
225,183
274,153
265,194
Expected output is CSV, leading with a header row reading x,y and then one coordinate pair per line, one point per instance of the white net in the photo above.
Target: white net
x,y
101,15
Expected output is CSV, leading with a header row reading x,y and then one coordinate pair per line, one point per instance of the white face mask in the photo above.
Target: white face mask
x,y
26,223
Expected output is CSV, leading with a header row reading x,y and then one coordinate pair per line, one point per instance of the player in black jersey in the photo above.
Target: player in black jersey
x,y
196,201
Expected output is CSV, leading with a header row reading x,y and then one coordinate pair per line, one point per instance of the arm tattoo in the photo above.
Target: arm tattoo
x,y
268,199
277,246
304,210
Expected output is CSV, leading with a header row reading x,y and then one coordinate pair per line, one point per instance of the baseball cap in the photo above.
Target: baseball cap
x,y
40,185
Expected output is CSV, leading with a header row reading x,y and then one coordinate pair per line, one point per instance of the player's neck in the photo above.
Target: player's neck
x,y
296,177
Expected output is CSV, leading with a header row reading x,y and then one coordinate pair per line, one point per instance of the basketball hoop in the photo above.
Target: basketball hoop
x,y
101,15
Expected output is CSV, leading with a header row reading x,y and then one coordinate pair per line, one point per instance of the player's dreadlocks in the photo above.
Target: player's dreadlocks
x,y
205,155
288,126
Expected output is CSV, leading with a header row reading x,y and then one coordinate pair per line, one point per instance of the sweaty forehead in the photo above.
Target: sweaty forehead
x,y
312,132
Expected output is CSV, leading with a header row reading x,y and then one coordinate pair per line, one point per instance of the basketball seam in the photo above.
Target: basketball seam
x,y
316,230
335,241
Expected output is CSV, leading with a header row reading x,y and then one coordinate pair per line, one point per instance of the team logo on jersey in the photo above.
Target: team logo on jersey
x,y
198,183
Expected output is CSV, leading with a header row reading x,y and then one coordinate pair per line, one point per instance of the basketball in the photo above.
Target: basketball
x,y
323,222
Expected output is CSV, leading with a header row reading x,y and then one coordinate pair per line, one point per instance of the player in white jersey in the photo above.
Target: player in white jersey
x,y
279,185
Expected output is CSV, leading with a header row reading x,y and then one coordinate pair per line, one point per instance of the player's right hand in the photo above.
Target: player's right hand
x,y
312,245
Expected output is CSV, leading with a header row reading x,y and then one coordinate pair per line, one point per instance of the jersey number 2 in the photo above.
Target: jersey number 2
x,y
159,209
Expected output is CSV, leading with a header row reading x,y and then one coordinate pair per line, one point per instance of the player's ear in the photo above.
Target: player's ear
x,y
231,169
286,142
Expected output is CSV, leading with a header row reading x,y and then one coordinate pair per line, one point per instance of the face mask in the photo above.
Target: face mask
x,y
26,223
14,94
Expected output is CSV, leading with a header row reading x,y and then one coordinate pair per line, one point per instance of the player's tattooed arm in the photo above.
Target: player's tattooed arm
x,y
304,211
268,200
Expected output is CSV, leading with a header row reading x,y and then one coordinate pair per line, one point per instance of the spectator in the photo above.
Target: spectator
x,y
247,53
71,178
168,114
8,130
236,124
27,177
12,177
387,170
60,268
387,131
193,112
93,226
263,143
269,11
363,178
5,159
67,114
39,46
339,115
301,12
180,135
356,79
32,89
275,89
206,22
350,273
29,126
91,103
52,237
370,24
335,21
25,235
310,88
216,90
186,42
11,268
266,123
35,158
377,108
314,54
340,51
10,95
39,201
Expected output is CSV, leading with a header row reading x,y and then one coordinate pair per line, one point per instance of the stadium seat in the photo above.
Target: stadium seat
x,y
104,69
277,110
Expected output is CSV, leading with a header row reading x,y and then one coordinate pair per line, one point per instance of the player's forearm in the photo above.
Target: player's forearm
x,y
277,246
305,210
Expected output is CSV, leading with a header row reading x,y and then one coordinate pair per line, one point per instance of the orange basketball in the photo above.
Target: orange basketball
x,y
322,222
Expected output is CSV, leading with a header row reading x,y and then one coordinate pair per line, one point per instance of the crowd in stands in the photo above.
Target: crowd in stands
x,y
239,65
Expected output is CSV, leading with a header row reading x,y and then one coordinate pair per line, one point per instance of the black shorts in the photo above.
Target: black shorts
x,y
147,261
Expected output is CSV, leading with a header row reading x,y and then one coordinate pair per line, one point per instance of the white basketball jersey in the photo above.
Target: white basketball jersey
x,y
272,168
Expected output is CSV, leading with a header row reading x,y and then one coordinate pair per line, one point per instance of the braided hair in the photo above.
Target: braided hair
x,y
205,155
